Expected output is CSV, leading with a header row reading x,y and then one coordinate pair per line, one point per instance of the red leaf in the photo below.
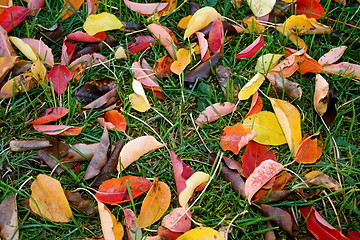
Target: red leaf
x,y
13,16
181,172
67,52
167,234
58,130
254,154
113,120
311,8
354,235
309,150
140,44
146,8
49,115
216,36
84,37
256,105
234,138
59,75
252,49
116,190
318,226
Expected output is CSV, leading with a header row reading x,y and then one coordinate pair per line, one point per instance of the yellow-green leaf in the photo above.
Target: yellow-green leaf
x,y
201,18
201,233
251,87
289,119
101,22
267,127
267,62
261,7
191,183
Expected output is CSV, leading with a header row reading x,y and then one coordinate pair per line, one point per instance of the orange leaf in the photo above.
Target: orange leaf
x,y
113,120
155,204
234,138
70,7
49,115
310,8
256,105
309,150
308,64
110,227
58,130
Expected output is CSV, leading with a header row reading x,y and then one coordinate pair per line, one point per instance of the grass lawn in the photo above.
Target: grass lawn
x,y
172,120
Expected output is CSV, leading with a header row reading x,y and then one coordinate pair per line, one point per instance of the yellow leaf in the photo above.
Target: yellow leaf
x,y
120,54
191,183
253,25
138,99
38,71
183,59
289,119
48,199
201,19
111,228
24,48
101,22
301,25
251,87
134,149
183,23
201,233
267,127
261,7
321,95
267,62
155,204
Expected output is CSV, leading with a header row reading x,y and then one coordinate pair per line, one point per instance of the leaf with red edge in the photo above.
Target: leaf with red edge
x,y
58,130
182,172
115,190
310,8
309,150
59,75
113,120
84,37
13,16
216,36
213,112
141,43
236,137
254,154
34,6
146,9
252,49
67,52
39,47
318,226
261,175
49,115
256,105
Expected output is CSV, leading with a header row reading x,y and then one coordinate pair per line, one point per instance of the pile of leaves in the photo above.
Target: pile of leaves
x,y
192,53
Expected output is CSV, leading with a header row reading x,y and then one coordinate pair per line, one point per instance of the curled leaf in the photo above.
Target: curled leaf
x,y
21,146
252,49
110,227
202,18
191,183
213,112
318,178
113,119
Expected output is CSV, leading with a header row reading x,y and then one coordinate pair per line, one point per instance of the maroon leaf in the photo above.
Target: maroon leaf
x,y
252,49
13,16
281,217
216,36
59,75
140,44
84,37
49,115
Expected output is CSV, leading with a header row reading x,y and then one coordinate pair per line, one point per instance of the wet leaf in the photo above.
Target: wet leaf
x,y
58,130
79,36
282,218
155,204
182,60
261,175
201,18
50,115
9,219
165,233
134,149
191,183
251,86
177,220
115,190
110,227
59,75
309,150
214,112
201,233
22,146
236,137
318,178
70,7
48,199
113,120
101,22
252,49
13,16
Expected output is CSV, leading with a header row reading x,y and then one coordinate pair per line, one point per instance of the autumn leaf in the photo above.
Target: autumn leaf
x,y
261,7
79,36
177,220
22,146
181,171
317,178
5,45
309,150
256,105
345,69
134,149
213,112
155,204
81,204
58,130
262,174
39,47
310,8
253,25
50,115
236,137
59,75
203,45
113,120
191,183
163,34
142,73
146,9
267,62
12,17
252,49
70,7
138,99
21,83
332,56
9,218
201,233
281,217
24,48
251,86
6,63
216,36
110,227
116,190
48,199
133,232
183,58
101,22
140,44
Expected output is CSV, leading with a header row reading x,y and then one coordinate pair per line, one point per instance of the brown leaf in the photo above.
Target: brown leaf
x,y
280,85
274,196
318,178
80,152
224,75
281,218
100,157
9,219
22,83
22,146
77,201
104,101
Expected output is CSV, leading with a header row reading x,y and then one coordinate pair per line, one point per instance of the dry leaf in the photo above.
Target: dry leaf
x,y
191,183
261,7
22,146
9,219
318,178
177,220
5,46
21,83
48,199
345,69
201,19
332,56
282,218
58,130
267,62
163,34
138,99
77,201
111,228
214,112
309,150
233,138
155,204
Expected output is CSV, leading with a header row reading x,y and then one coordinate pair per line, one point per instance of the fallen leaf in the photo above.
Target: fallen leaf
x,y
77,201
300,24
281,85
310,8
214,112
115,190
70,7
252,49
21,83
22,146
12,17
58,130
79,65
111,228
107,99
345,69
132,230
253,25
5,46
289,119
80,152
67,52
79,36
38,71
113,120
309,150
261,7
120,54
262,174
332,56
256,105
147,9
267,62
101,22
306,63
183,23
165,233
48,199
201,233
254,154
163,34
6,63
141,43
9,219
182,172
216,36
155,204
177,220
144,75
202,18
24,48
34,6
50,115
59,75
134,149
236,137
267,128
224,75
182,60
282,218
203,45
318,178
39,47
191,183
138,99
100,157
251,87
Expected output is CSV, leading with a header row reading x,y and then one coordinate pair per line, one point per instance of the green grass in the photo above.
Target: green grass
x,y
219,204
